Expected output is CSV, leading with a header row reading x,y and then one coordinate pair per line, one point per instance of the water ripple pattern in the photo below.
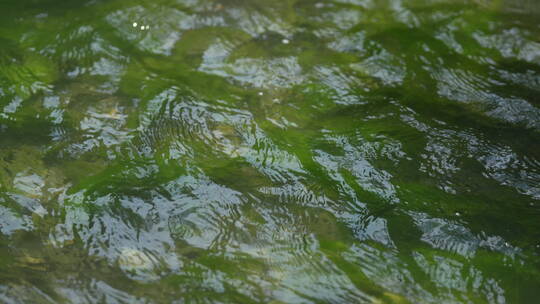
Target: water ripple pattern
x,y
256,151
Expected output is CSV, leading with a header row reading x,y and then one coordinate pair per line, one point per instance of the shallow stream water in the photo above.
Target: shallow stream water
x,y
269,151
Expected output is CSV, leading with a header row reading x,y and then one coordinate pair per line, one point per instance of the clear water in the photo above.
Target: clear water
x,y
270,151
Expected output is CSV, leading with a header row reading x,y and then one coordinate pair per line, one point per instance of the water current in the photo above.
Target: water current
x,y
269,151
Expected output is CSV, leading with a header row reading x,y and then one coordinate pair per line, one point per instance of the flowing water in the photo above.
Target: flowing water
x,y
269,151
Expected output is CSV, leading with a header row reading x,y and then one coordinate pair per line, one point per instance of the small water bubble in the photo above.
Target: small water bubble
x,y
134,24
285,41
142,27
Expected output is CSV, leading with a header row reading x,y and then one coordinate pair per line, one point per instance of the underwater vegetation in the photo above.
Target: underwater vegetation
x,y
256,151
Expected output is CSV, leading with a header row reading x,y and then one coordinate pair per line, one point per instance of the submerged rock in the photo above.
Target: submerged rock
x,y
138,264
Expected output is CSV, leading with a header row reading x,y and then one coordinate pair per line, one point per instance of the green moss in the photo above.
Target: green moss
x,y
339,143
29,74
24,172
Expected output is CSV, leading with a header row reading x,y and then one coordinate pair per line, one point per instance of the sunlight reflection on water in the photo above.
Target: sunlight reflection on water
x,y
294,151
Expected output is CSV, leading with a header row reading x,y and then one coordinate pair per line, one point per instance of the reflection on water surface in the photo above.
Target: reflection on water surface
x,y
292,151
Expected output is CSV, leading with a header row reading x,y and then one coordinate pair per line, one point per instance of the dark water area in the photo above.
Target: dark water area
x,y
285,151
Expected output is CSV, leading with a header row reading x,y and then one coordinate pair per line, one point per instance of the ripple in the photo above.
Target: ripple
x,y
292,151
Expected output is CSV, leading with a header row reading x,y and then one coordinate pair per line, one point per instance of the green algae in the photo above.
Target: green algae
x,y
268,152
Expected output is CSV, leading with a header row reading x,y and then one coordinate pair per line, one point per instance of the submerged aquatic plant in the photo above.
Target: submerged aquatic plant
x,y
244,151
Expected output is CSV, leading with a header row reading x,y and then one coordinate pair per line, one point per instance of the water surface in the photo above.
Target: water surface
x,y
269,151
